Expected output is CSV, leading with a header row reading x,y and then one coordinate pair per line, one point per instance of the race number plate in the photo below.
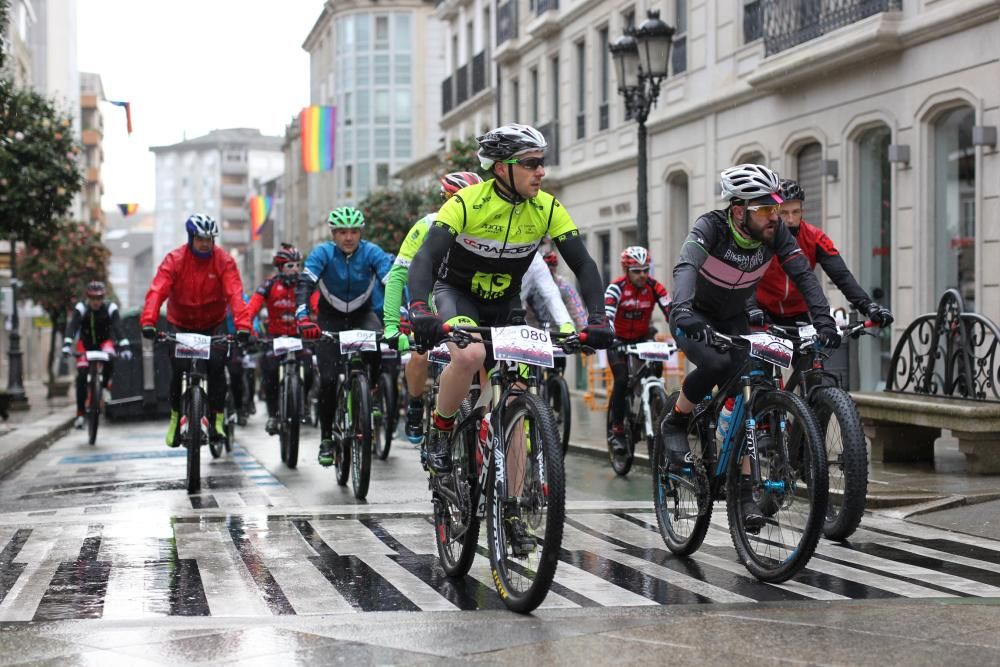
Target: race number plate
x,y
97,355
808,331
193,346
524,344
283,344
655,351
440,354
357,340
772,349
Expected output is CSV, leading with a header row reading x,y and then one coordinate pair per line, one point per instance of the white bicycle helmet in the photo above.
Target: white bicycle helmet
x,y
508,141
635,256
749,181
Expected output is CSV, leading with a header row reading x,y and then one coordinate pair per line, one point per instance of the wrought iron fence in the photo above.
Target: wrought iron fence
x,y
506,21
551,133
542,6
788,23
462,84
950,353
478,72
447,99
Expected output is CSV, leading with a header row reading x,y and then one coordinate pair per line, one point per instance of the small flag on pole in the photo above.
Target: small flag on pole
x,y
260,209
128,112
128,209
316,125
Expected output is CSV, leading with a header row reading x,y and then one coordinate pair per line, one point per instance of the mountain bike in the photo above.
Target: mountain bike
x,y
230,417
554,391
646,399
839,422
781,444
291,398
353,418
385,403
507,466
194,429
95,374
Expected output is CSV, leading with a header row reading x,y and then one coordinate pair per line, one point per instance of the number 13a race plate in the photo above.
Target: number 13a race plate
x,y
772,349
193,346
524,344
357,340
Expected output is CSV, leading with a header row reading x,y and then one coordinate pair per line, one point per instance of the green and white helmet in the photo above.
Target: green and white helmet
x,y
346,217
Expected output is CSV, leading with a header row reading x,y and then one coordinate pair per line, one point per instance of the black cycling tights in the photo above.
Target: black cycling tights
x,y
712,367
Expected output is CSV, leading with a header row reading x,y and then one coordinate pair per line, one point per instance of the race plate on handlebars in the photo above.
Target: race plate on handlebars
x,y
283,344
357,340
655,351
807,331
772,349
97,355
387,352
524,344
193,346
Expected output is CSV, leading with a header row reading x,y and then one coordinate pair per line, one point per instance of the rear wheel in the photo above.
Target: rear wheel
x,y
197,421
846,458
456,524
383,422
342,436
526,504
360,434
292,419
658,401
791,492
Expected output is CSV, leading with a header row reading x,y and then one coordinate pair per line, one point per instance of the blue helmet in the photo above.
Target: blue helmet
x,y
202,225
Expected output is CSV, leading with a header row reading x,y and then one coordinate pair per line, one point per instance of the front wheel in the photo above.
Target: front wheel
x,y
846,457
197,431
291,416
791,492
383,423
456,523
527,504
557,395
360,434
342,435
94,404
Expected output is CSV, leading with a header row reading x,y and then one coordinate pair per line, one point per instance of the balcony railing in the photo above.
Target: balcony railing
x,y
788,23
679,55
478,72
462,84
551,133
447,101
542,6
506,21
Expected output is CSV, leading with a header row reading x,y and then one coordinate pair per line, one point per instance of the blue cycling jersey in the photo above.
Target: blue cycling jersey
x,y
347,283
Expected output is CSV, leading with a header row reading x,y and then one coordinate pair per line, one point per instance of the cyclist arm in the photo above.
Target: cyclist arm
x,y
158,291
539,279
571,298
573,250
612,295
308,277
116,326
662,298
834,266
694,252
395,284
431,254
258,299
794,263
233,286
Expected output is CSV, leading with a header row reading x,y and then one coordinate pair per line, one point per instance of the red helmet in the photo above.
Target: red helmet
x,y
455,181
287,253
95,289
635,255
551,258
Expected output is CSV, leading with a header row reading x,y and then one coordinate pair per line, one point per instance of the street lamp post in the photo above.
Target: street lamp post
x,y
15,383
642,61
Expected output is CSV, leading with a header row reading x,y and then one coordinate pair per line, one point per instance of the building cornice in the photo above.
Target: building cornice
x,y
483,98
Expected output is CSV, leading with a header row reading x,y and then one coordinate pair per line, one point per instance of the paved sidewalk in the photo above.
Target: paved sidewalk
x,y
28,431
895,489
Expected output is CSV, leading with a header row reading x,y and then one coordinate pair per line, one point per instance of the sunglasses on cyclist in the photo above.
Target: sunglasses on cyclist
x,y
766,209
638,269
529,163
290,265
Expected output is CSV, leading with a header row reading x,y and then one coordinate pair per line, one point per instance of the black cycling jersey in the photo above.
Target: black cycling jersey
x,y
716,274
96,326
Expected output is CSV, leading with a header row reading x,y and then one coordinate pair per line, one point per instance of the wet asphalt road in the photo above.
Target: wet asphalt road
x,y
106,535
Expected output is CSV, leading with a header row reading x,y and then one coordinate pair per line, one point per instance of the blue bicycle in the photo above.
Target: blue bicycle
x,y
776,460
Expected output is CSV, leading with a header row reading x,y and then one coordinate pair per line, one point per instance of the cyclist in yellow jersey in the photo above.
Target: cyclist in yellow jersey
x,y
416,369
478,249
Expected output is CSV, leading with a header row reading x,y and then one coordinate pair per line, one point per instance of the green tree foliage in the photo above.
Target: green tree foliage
x,y
461,156
55,272
389,214
38,164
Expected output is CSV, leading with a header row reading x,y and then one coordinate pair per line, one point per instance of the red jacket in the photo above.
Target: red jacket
x,y
629,309
776,293
279,298
197,291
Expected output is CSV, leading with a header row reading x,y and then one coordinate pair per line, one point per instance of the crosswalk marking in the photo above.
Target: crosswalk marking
x,y
255,564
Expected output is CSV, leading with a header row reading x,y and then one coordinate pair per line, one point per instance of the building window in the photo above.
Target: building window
x,y
515,100
604,84
402,39
604,253
381,33
753,20
754,157
581,90
349,176
383,147
678,56
470,40
874,183
381,107
381,175
381,71
954,204
628,18
403,145
533,78
402,68
554,76
679,224
404,111
362,143
808,161
362,32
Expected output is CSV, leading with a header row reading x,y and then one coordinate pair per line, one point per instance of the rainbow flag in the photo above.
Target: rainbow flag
x,y
128,113
128,209
260,208
316,126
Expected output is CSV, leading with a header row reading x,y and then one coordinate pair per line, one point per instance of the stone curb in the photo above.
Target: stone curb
x,y
27,440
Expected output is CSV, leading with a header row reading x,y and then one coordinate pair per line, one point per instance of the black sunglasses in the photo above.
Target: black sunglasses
x,y
530,163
